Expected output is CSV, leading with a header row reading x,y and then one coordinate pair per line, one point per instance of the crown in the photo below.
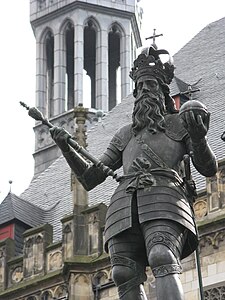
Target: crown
x,y
149,63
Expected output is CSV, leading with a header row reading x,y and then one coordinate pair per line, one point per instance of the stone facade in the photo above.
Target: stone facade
x,y
48,270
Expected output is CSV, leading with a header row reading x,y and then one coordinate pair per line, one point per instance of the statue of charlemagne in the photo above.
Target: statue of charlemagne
x,y
149,220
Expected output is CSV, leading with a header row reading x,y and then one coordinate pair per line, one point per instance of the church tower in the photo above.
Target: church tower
x,y
96,37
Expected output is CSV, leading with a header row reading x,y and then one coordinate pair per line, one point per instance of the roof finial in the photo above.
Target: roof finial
x,y
153,37
10,182
191,90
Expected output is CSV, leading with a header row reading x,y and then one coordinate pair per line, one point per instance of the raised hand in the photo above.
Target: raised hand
x,y
196,124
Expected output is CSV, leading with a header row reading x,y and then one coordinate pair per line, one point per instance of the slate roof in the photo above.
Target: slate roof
x,y
203,57
13,207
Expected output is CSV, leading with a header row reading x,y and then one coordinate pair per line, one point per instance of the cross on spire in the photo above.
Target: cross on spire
x,y
191,90
153,37
189,93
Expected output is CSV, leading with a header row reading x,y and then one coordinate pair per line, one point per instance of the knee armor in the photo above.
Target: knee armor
x,y
127,274
163,261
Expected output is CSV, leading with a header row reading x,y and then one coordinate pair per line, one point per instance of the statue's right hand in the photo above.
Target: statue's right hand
x,y
61,137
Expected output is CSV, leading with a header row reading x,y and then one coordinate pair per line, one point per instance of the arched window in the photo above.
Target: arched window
x,y
49,49
90,61
222,187
69,42
114,65
47,296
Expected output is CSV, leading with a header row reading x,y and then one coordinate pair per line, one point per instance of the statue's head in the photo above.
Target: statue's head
x,y
150,74
153,101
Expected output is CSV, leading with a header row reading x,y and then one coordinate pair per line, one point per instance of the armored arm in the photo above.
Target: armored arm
x,y
203,157
94,175
90,175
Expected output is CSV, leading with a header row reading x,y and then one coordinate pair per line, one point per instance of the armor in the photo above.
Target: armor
x,y
149,220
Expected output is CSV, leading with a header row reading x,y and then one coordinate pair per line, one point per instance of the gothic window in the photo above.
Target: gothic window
x,y
212,188
90,34
217,293
222,187
49,49
46,296
114,65
69,42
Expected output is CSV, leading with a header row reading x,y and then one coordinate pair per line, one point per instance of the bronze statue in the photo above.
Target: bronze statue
x,y
149,219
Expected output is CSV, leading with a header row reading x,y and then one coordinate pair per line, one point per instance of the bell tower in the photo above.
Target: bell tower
x,y
73,38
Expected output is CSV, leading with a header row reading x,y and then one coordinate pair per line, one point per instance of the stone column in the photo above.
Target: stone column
x,y
78,59
41,69
102,85
125,58
80,196
59,73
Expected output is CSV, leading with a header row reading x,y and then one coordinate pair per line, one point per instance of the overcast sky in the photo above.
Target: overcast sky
x,y
178,20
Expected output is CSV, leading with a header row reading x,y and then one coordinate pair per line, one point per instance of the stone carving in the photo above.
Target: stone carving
x,y
47,295
17,275
39,239
44,138
200,208
28,247
41,4
55,260
60,291
100,278
67,228
213,239
217,293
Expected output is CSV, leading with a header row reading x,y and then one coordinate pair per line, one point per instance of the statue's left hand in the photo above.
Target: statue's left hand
x,y
196,124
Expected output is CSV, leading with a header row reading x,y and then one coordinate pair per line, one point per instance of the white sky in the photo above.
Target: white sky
x,y
178,20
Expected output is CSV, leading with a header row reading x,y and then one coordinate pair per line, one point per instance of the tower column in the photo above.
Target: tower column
x,y
59,73
125,58
102,71
78,61
41,70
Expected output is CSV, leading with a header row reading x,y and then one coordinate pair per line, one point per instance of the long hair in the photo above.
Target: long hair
x,y
149,111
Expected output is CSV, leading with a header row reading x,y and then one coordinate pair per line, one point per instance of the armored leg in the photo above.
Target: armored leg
x,y
164,245
128,277
128,259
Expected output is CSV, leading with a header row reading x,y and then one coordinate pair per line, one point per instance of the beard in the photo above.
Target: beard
x,y
149,111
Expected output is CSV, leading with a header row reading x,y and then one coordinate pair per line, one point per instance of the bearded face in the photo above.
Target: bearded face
x,y
149,108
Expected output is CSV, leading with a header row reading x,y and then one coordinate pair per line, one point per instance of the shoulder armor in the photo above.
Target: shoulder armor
x,y
122,137
174,128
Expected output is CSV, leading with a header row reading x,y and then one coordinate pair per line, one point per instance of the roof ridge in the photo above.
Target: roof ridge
x,y
27,202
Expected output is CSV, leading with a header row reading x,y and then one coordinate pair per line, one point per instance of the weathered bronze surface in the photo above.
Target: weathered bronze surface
x,y
150,219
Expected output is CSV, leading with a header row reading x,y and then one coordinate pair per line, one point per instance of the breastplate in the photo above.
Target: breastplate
x,y
169,152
